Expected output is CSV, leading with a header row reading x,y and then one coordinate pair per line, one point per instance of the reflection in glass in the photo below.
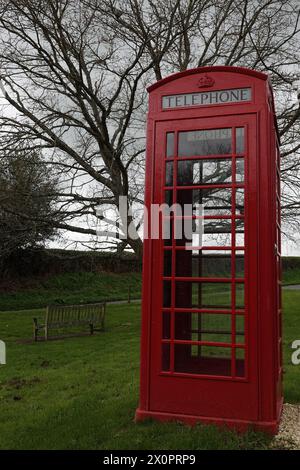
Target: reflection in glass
x,y
170,144
215,201
204,142
239,232
240,170
169,173
240,146
214,171
217,232
169,197
240,201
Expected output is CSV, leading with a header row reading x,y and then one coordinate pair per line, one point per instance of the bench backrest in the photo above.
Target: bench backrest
x,y
75,314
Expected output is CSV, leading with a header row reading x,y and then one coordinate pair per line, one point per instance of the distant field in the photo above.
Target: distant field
x,y
81,393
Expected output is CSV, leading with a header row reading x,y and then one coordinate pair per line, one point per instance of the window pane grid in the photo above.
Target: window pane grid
x,y
236,344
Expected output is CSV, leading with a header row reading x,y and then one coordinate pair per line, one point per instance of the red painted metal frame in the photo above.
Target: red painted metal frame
x,y
256,398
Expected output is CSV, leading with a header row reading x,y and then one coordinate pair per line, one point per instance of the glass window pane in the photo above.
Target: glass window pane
x,y
166,325
167,293
239,264
214,233
184,260
204,142
240,137
240,295
208,360
240,362
240,201
167,231
217,232
215,201
211,351
203,327
203,263
170,144
202,294
215,264
169,173
240,170
239,232
169,197
240,329
165,363
167,263
214,171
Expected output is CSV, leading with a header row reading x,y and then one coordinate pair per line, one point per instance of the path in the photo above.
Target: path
x,y
292,287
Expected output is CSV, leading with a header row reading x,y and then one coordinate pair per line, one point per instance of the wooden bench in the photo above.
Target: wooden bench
x,y
61,316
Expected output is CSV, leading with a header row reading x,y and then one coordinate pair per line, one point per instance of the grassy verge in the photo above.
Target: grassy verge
x,y
81,393
83,287
74,288
291,276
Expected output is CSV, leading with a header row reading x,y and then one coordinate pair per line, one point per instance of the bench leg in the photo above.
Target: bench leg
x,y
35,334
91,328
46,333
103,317
35,329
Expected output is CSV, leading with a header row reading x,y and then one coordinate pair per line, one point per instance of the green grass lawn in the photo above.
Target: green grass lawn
x,y
81,393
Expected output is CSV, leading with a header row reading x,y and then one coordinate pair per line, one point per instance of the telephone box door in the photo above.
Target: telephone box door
x,y
204,311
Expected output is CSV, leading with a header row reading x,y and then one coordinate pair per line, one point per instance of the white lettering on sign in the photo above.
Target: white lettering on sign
x,y
206,98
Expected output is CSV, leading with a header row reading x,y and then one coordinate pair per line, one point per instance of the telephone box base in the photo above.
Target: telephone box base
x,y
270,427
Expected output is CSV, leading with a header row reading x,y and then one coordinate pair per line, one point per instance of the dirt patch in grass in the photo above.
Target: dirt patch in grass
x,y
289,429
18,383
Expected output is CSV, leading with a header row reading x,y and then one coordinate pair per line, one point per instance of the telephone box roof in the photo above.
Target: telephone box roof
x,y
212,68
219,68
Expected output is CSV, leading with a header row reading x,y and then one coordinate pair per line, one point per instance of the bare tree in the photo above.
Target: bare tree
x,y
74,74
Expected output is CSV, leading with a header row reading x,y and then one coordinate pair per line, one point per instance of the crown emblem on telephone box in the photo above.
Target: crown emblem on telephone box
x,y
205,81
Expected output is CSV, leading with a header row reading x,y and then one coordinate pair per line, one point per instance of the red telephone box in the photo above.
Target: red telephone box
x,y
211,326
